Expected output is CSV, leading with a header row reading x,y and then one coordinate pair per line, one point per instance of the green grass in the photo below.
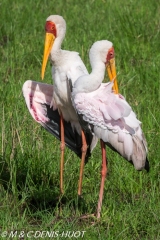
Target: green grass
x,y
29,165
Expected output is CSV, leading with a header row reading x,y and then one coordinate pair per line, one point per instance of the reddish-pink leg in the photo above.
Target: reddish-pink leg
x,y
84,150
62,147
103,176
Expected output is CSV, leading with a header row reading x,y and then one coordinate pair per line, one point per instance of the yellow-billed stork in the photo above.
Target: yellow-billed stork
x,y
106,113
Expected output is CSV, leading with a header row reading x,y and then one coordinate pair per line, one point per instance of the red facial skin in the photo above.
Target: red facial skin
x,y
50,27
110,54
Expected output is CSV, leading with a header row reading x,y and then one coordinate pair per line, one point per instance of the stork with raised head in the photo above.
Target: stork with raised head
x,y
107,114
63,63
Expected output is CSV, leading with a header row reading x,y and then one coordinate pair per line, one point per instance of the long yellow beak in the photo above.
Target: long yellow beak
x,y
111,70
49,41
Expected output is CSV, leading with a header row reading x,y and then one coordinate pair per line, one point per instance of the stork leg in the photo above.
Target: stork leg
x,y
103,176
62,147
84,150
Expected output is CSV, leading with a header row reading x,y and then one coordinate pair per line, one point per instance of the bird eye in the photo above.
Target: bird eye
x,y
52,28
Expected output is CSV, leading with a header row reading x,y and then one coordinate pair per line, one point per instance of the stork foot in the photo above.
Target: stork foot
x,y
87,216
91,218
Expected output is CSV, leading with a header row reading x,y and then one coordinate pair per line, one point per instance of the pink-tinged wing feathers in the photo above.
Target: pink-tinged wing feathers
x,y
103,108
114,122
36,94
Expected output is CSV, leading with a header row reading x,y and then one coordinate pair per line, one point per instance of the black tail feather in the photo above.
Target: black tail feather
x,y
72,139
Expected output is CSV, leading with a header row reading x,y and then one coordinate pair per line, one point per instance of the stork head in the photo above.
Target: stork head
x,y
55,27
104,51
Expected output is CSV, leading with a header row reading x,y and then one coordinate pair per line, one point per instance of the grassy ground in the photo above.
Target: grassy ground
x,y
29,165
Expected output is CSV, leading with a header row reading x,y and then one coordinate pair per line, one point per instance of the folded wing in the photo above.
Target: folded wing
x,y
111,119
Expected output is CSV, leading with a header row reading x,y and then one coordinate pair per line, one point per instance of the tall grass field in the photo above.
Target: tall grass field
x,y
30,156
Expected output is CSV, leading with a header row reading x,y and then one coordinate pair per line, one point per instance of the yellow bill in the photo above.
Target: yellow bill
x,y
49,41
111,70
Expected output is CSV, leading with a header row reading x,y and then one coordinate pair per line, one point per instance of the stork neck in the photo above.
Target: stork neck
x,y
56,49
57,43
98,72
96,76
91,82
